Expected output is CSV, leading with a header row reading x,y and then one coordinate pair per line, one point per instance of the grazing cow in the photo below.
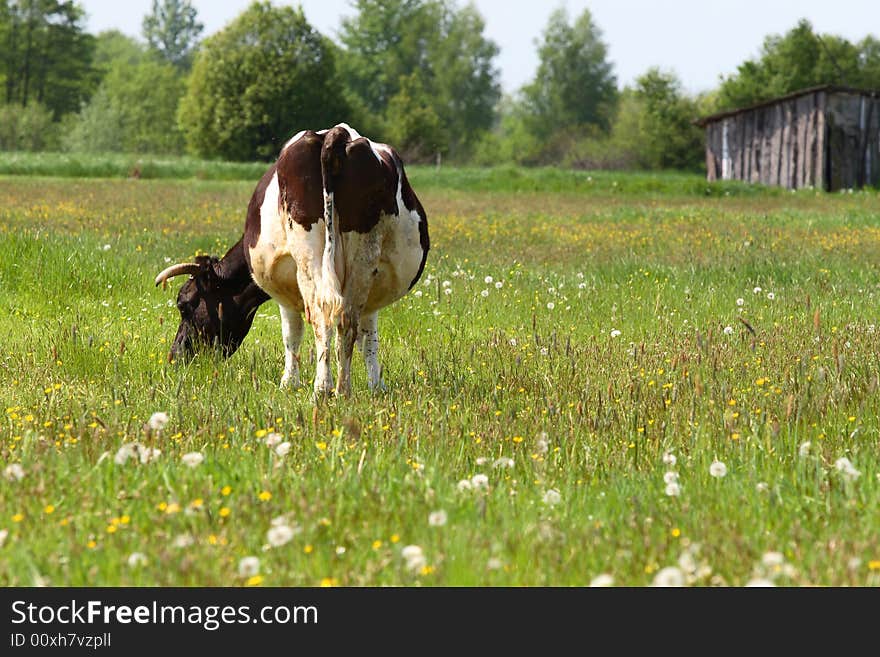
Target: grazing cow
x,y
334,231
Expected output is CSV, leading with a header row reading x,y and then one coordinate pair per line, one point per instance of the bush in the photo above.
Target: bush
x,y
27,128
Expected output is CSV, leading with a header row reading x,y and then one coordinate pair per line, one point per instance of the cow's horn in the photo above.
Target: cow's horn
x,y
177,270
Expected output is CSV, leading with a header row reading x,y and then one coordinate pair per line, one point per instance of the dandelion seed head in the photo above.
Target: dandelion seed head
x,y
669,459
282,449
550,305
136,559
757,290
272,440
280,535
759,582
552,497
192,459
480,481
670,477
602,581
248,566
771,296
718,469
740,302
728,330
804,449
615,333
488,280
670,576
158,421
437,518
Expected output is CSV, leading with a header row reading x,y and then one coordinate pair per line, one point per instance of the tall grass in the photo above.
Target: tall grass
x,y
560,350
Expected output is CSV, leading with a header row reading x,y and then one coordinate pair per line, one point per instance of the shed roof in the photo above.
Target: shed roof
x,y
829,88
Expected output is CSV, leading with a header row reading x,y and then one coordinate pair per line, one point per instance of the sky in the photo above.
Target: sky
x,y
698,40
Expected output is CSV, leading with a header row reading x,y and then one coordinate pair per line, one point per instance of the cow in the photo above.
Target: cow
x,y
335,232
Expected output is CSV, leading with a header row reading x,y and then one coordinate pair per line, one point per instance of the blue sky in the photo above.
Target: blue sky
x,y
697,39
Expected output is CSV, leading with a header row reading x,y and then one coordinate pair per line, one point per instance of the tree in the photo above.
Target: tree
x,y
265,76
575,84
172,30
667,137
112,46
47,54
418,132
797,60
389,43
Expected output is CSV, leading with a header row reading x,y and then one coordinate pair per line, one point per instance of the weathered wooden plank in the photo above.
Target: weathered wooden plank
x,y
809,158
819,163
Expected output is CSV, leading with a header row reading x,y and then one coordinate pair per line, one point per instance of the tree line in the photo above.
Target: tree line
x,y
420,74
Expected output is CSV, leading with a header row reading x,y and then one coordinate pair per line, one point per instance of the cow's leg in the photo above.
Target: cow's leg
x,y
323,344
346,334
291,333
368,341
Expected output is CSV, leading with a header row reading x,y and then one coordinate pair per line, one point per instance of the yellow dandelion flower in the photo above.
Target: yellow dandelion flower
x,y
111,529
377,544
18,517
265,496
91,545
225,511
256,580
321,445
329,581
676,532
395,538
162,506
197,503
261,433
226,490
308,549
427,570
125,519
874,564
49,508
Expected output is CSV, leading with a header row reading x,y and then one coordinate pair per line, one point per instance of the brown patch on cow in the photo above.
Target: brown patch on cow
x,y
363,186
299,179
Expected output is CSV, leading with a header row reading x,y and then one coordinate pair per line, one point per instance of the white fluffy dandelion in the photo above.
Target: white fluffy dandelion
x,y
762,487
673,489
760,582
192,459
480,481
13,472
670,477
615,333
740,302
503,462
498,285
669,576
272,440
845,467
488,280
280,535
484,293
148,454
136,559
125,452
804,449
157,421
552,497
437,518
771,296
248,566
718,469
464,485
550,305
728,330
282,449
669,459
602,581
414,557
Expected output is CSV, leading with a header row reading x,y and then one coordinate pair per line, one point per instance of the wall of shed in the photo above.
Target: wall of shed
x,y
823,140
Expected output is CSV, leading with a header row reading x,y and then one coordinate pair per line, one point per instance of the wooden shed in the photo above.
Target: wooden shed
x,y
823,137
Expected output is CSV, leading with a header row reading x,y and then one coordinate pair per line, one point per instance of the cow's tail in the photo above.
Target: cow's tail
x,y
330,288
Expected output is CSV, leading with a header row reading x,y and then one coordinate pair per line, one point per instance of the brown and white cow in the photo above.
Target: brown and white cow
x,y
333,231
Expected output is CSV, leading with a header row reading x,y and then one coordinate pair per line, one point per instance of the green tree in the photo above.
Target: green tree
x,y
112,46
262,78
46,54
575,84
389,42
418,132
28,128
797,60
668,139
134,111
172,30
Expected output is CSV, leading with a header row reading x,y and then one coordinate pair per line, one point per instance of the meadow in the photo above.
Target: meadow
x,y
605,378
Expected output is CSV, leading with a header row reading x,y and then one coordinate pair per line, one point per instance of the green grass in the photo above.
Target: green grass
x,y
472,379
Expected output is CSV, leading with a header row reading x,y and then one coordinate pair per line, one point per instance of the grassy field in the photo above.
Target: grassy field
x,y
575,339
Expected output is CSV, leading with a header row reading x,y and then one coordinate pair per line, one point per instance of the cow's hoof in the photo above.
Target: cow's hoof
x,y
379,388
291,382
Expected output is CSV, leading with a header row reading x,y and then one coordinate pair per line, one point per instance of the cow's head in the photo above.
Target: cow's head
x,y
215,311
